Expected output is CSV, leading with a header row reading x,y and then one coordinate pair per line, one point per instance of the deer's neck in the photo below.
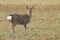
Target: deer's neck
x,y
30,13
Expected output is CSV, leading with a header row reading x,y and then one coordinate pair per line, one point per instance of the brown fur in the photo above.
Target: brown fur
x,y
21,19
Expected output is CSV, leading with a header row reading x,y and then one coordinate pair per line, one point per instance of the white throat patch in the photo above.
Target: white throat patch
x,y
9,17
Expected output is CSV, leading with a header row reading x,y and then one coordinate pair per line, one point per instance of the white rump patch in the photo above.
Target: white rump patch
x,y
9,18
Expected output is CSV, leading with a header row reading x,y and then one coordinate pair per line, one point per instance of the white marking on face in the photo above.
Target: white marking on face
x,y
9,18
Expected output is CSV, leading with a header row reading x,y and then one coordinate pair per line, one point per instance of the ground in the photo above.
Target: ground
x,y
44,24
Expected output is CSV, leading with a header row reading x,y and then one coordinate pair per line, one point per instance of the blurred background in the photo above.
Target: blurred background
x,y
44,24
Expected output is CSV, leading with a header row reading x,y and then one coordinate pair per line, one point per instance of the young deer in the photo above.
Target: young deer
x,y
20,19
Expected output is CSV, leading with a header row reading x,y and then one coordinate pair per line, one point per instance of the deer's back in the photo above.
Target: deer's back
x,y
21,19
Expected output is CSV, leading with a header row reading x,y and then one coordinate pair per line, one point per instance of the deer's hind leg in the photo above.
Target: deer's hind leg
x,y
13,28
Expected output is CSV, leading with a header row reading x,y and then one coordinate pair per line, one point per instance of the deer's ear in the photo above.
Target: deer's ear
x,y
26,7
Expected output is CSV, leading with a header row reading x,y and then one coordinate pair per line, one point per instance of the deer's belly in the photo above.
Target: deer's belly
x,y
23,21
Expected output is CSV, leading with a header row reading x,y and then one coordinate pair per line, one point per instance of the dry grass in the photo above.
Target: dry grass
x,y
44,25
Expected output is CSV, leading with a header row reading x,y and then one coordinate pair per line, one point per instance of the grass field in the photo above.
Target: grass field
x,y
44,24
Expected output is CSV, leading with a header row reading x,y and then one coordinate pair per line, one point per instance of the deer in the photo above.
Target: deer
x,y
20,19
